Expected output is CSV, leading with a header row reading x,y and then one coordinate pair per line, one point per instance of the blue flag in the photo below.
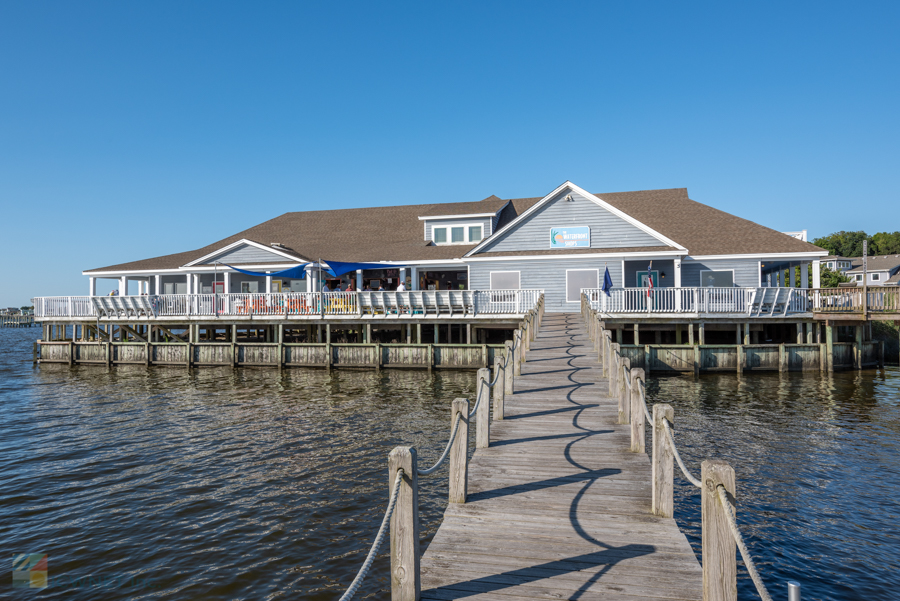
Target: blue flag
x,y
607,282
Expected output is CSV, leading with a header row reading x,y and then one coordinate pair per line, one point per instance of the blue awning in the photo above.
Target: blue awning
x,y
294,273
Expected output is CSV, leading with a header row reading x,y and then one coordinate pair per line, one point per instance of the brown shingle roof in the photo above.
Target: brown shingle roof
x,y
366,234
396,233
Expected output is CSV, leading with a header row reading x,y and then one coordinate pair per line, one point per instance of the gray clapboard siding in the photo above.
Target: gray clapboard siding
x,y
548,275
607,230
486,224
249,254
746,271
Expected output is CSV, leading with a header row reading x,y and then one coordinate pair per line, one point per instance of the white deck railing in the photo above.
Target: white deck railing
x,y
412,303
760,302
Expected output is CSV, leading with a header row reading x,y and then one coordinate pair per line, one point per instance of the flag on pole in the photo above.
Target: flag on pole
x,y
650,279
607,282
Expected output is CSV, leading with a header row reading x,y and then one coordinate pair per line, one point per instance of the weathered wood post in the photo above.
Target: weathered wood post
x,y
829,347
624,401
719,548
614,360
483,414
606,346
459,452
508,370
517,354
499,385
405,579
662,468
637,411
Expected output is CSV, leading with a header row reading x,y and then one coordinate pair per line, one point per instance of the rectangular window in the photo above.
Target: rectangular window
x,y
858,277
717,279
440,235
249,287
876,277
474,233
576,279
505,280
168,288
457,234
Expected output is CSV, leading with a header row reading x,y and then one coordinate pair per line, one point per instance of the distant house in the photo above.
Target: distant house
x,y
883,270
836,263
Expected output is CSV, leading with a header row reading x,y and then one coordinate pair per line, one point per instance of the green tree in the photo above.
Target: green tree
x,y
885,243
829,278
844,244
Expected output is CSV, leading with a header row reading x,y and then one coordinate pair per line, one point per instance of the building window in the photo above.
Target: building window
x,y
505,280
458,234
876,277
576,279
858,277
717,279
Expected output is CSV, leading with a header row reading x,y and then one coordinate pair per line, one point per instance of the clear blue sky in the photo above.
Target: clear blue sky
x,y
130,130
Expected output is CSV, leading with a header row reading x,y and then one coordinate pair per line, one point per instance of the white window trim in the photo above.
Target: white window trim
x,y
567,283
491,283
637,276
465,227
859,277
714,270
876,277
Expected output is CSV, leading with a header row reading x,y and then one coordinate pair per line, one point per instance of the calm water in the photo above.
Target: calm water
x,y
227,484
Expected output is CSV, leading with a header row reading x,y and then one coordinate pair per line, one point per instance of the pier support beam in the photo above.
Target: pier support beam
x,y
459,452
662,475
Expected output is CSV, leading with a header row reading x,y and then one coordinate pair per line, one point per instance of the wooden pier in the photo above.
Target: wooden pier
x,y
16,321
557,505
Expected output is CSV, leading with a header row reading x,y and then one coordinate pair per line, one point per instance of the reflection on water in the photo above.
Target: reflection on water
x,y
817,461
213,483
222,484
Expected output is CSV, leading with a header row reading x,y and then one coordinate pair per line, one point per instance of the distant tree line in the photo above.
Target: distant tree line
x,y
850,244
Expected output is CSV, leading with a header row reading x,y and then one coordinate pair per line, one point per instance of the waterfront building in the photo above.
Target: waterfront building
x,y
560,243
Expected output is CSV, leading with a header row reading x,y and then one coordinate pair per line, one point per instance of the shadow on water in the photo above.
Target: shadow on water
x,y
212,483
817,461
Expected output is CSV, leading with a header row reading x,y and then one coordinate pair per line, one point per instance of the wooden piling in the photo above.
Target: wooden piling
x,y
624,400
719,559
637,411
483,414
405,577
662,485
499,399
459,452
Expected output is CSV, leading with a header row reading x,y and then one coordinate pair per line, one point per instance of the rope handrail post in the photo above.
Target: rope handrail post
x,y
508,370
614,369
498,389
718,544
406,584
605,354
459,452
624,400
662,480
637,411
483,411
517,353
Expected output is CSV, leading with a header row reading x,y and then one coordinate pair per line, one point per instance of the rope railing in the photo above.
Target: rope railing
x,y
379,539
719,475
739,540
405,558
684,470
446,453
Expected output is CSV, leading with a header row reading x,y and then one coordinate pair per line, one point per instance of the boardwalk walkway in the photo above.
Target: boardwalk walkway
x,y
558,508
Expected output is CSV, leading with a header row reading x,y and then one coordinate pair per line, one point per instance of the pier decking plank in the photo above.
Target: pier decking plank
x,y
558,508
